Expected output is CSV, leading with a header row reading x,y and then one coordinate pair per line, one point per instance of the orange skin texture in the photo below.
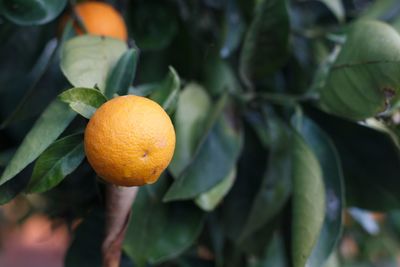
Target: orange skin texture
x,y
101,19
129,141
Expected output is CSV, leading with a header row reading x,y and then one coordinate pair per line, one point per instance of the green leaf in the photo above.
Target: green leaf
x,y
31,12
212,162
334,188
365,154
167,92
265,47
84,101
88,60
122,74
158,231
276,185
56,162
364,80
209,200
189,121
308,201
47,128
337,8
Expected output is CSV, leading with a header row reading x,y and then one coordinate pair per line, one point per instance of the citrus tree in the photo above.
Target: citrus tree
x,y
200,133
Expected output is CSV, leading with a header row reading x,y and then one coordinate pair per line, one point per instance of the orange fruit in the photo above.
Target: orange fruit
x,y
129,141
101,19
378,216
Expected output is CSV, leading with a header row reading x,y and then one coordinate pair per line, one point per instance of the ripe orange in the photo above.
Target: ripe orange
x,y
129,141
101,19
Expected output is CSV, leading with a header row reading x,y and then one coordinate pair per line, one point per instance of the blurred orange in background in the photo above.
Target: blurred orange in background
x,y
35,242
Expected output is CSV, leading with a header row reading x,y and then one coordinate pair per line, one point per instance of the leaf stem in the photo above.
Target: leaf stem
x,y
76,17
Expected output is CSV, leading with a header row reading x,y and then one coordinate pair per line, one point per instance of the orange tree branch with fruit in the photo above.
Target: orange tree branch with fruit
x,y
201,133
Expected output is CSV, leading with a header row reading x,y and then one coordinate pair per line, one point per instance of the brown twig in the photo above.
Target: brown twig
x,y
118,209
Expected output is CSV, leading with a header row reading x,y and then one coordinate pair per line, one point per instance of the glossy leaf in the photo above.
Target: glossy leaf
x,y
31,12
209,200
265,48
327,156
159,231
47,128
84,101
364,80
88,60
212,162
308,201
122,75
167,92
56,162
189,121
276,186
366,154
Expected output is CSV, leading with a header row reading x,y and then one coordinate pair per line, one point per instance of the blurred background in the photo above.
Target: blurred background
x,y
198,38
